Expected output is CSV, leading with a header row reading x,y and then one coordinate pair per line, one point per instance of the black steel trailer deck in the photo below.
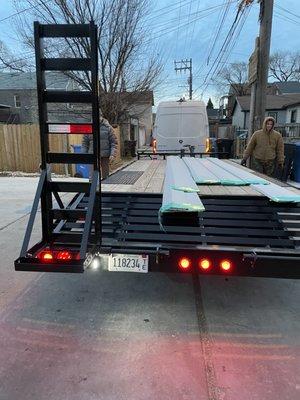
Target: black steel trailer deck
x,y
258,236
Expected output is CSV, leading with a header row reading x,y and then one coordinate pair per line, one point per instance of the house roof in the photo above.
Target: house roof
x,y
274,102
4,106
131,97
27,80
288,87
212,112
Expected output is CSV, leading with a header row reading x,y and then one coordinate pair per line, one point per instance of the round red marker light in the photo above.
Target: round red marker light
x,y
184,263
205,264
225,265
64,255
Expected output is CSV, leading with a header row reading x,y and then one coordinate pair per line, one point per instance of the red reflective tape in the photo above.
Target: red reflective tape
x,y
87,128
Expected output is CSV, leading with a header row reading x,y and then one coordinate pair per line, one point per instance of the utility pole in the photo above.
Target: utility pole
x,y
186,65
259,67
266,15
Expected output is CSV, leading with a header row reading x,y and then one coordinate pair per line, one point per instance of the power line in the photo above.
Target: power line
x,y
193,30
230,40
286,18
227,6
20,12
187,31
225,44
287,11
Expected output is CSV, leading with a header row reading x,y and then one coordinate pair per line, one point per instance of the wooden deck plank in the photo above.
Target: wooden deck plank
x,y
139,165
155,184
142,183
204,190
152,181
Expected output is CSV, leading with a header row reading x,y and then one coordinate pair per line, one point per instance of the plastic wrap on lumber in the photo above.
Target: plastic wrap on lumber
x,y
178,201
174,199
178,176
205,170
277,193
199,169
240,172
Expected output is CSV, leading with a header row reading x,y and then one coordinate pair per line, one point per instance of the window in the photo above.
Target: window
x,y
17,101
293,116
273,115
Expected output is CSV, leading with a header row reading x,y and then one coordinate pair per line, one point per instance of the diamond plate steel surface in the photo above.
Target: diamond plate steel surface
x,y
123,178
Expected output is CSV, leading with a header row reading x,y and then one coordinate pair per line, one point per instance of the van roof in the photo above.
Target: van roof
x,y
187,103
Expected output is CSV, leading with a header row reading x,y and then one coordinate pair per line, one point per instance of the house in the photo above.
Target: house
x,y
18,94
4,112
288,87
141,122
283,108
273,88
135,114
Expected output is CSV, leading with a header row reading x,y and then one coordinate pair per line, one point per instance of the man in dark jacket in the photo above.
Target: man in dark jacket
x,y
108,146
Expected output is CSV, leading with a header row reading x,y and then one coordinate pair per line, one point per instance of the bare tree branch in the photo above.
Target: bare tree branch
x,y
285,66
121,28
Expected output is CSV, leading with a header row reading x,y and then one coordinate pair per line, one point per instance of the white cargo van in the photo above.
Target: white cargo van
x,y
179,124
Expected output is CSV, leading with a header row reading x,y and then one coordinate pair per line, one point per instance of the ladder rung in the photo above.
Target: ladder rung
x,y
59,213
66,64
70,158
65,30
70,238
67,96
70,187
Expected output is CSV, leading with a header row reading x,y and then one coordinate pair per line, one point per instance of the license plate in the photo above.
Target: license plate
x,y
128,263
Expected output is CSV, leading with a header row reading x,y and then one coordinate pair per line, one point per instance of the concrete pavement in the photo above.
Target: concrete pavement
x,y
118,336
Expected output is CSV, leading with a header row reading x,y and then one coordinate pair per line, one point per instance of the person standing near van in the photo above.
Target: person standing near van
x,y
266,148
108,146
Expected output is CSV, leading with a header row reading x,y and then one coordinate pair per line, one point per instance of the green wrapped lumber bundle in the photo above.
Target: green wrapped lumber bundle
x,y
277,193
179,194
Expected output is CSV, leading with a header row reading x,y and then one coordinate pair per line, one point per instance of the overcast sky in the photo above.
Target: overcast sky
x,y
186,29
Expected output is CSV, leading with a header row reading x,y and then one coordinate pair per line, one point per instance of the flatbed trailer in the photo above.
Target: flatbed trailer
x,y
258,237
115,225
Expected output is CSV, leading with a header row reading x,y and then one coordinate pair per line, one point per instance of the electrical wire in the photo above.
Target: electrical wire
x,y
20,12
287,11
227,46
218,31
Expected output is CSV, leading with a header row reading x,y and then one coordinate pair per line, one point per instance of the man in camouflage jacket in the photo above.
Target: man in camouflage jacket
x,y
266,148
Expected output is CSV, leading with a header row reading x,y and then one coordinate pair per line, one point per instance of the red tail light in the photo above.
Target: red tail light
x,y
64,255
46,256
51,256
226,265
184,263
205,264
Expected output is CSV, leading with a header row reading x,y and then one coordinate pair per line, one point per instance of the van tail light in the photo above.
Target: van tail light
x,y
154,146
184,263
226,265
207,145
205,264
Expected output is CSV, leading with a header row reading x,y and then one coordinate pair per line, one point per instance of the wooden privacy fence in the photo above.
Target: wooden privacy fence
x,y
20,147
